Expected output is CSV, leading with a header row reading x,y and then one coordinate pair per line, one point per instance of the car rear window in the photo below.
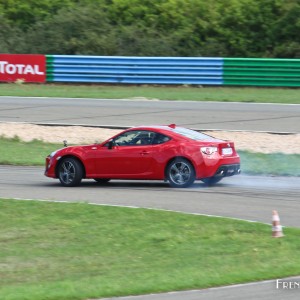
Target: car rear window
x,y
192,134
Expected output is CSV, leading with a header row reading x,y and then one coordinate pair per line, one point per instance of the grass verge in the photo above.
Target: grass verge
x,y
16,152
79,251
270,164
224,94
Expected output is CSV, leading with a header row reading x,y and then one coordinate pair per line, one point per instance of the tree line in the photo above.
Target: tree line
x,y
185,28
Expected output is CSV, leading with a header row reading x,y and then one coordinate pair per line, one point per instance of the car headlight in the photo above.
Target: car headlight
x,y
209,150
53,153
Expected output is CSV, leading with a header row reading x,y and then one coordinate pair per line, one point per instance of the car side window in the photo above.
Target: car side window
x,y
135,137
160,139
139,138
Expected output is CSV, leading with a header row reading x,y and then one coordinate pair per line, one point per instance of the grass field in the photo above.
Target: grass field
x,y
16,152
81,251
226,94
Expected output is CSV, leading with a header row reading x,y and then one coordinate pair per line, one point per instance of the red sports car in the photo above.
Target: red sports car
x,y
172,153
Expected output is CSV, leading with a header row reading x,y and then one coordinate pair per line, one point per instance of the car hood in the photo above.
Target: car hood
x,y
71,149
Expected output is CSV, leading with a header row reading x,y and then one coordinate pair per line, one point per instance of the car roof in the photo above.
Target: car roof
x,y
165,127
159,128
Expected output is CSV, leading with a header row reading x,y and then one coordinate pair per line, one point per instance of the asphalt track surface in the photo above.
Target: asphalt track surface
x,y
200,115
243,197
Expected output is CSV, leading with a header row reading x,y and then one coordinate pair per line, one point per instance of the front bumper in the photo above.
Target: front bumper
x,y
49,167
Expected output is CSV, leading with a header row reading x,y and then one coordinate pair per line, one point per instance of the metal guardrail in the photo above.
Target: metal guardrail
x,y
173,70
135,70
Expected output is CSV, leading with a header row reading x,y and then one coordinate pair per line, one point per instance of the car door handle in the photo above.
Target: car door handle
x,y
144,152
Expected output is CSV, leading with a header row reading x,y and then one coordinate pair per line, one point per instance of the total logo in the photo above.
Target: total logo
x,y
7,68
25,67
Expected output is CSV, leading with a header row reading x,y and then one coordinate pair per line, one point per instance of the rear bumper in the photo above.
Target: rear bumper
x,y
228,170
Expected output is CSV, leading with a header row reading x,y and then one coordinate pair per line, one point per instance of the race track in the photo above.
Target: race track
x,y
245,197
200,115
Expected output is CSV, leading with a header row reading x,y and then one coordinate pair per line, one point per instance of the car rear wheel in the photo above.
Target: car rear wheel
x,y
70,172
180,173
102,180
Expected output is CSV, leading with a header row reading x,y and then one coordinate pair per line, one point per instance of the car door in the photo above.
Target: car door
x,y
129,155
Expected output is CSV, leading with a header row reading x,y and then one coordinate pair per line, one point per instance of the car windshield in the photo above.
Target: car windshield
x,y
194,135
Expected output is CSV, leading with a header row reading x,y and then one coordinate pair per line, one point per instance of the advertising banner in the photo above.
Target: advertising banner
x,y
22,67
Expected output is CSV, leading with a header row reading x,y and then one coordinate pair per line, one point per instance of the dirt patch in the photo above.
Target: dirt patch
x,y
251,141
56,134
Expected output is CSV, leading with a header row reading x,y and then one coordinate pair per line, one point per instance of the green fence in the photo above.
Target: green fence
x,y
261,72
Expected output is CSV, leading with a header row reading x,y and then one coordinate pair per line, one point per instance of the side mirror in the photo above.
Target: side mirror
x,y
110,144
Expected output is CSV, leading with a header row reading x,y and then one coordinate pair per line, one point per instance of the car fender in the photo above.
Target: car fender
x,y
177,157
77,153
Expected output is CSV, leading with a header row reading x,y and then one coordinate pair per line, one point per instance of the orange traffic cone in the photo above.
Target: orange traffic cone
x,y
276,227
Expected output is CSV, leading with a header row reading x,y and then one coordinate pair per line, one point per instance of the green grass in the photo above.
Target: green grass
x,y
270,164
226,94
79,251
16,152
20,153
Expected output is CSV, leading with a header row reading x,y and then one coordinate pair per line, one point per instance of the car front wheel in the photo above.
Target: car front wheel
x,y
70,172
180,173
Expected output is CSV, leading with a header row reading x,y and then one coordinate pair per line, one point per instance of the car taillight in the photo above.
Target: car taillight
x,y
209,150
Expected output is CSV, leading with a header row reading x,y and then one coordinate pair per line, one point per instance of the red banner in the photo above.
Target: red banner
x,y
23,67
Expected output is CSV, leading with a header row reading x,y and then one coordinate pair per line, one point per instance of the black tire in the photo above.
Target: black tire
x,y
70,172
102,180
180,173
211,180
